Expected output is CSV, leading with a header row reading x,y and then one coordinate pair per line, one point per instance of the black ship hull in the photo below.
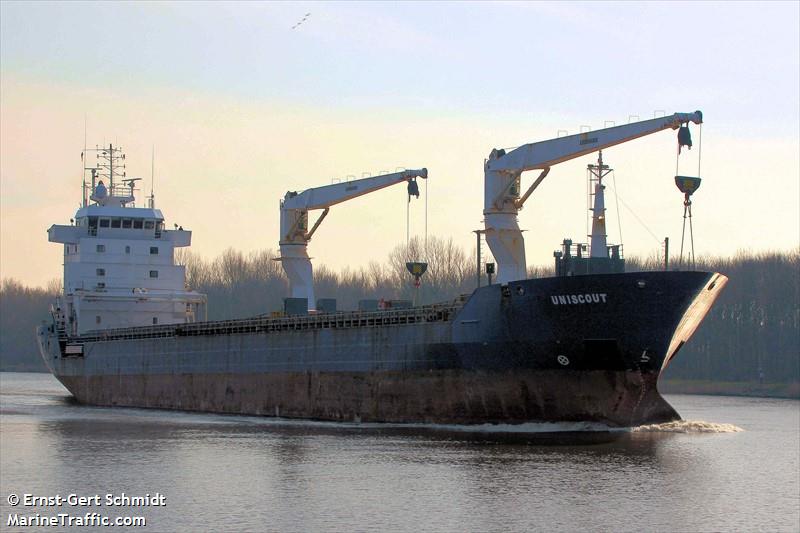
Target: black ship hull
x,y
581,348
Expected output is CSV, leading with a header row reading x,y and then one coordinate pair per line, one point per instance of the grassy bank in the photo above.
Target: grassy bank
x,y
730,388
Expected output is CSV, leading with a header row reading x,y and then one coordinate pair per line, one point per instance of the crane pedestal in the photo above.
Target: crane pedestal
x,y
297,265
507,244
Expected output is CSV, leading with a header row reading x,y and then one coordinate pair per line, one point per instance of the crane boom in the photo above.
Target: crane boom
x,y
294,222
502,183
336,193
543,154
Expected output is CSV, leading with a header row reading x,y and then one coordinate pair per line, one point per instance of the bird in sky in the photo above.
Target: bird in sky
x,y
301,20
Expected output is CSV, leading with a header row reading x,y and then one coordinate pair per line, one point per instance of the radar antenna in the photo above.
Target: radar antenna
x,y
109,174
129,182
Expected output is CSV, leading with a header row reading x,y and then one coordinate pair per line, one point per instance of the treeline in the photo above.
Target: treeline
x,y
21,310
240,285
752,333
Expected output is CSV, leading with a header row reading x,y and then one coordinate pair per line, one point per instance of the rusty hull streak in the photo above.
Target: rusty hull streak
x,y
443,396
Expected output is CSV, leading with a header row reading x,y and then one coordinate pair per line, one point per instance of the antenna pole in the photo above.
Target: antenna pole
x,y
478,254
152,175
111,168
83,164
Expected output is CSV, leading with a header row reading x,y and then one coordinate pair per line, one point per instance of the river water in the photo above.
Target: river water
x,y
734,466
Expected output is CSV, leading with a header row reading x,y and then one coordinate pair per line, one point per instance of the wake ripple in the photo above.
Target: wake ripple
x,y
528,427
688,426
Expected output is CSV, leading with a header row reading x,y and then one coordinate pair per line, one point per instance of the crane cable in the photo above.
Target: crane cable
x,y
699,154
699,147
687,203
408,223
616,199
632,212
426,219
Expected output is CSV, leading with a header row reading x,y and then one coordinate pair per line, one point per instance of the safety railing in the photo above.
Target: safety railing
x,y
266,324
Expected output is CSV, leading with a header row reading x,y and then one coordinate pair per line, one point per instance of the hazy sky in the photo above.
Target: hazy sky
x,y
241,108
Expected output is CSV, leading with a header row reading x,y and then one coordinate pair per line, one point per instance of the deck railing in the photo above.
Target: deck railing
x,y
269,324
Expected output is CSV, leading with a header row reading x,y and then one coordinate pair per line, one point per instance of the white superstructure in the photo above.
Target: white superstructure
x,y
119,261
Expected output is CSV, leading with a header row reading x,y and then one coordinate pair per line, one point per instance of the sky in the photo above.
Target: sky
x,y
240,108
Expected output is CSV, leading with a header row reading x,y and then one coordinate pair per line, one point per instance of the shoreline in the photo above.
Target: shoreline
x,y
755,389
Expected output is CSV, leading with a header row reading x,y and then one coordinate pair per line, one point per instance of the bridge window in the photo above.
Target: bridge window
x,y
115,222
149,224
154,250
101,248
137,223
154,273
101,271
155,320
126,223
104,223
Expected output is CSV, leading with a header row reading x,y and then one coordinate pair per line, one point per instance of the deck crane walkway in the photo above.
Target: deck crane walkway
x,y
502,171
294,222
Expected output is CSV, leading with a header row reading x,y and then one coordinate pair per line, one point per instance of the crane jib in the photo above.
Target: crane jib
x,y
503,169
294,219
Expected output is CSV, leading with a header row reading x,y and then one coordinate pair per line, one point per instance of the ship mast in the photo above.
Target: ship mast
x,y
110,167
109,164
598,236
83,154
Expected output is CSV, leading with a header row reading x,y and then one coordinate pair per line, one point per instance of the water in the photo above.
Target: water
x,y
732,467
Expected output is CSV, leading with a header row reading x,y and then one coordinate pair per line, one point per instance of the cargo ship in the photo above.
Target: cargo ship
x,y
587,344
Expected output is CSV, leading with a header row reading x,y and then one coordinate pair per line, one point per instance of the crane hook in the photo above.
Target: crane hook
x,y
413,189
684,137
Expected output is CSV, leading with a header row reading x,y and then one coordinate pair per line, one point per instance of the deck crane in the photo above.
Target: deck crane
x,y
502,172
294,221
